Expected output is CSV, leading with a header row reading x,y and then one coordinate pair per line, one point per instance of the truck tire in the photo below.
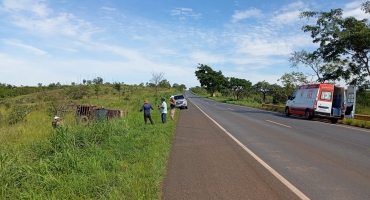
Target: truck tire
x,y
287,113
334,121
308,114
84,120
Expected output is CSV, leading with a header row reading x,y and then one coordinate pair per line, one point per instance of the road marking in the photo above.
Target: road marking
x,y
230,108
279,123
270,169
349,127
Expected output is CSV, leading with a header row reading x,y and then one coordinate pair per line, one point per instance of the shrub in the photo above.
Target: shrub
x,y
18,113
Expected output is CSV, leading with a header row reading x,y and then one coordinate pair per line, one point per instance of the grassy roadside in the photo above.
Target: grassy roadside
x,y
109,159
253,104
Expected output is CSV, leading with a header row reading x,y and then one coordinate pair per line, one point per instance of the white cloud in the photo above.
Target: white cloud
x,y
37,18
25,47
286,18
299,5
65,24
185,12
288,14
205,57
36,7
264,46
353,5
239,15
353,9
108,8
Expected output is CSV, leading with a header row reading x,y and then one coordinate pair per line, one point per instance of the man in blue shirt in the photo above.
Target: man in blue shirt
x,y
146,108
163,110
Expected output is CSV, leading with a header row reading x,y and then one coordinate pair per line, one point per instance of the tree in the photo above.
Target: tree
x,y
210,79
179,87
293,79
98,80
264,88
343,41
366,7
278,94
239,87
164,84
157,77
97,83
97,89
118,87
182,87
308,60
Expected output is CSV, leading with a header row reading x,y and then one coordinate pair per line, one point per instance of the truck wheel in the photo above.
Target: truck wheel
x,y
334,121
307,114
84,120
287,113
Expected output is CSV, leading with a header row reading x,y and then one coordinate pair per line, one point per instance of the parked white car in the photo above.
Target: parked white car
x,y
181,101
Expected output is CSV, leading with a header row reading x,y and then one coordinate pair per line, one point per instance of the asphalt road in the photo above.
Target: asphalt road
x,y
244,153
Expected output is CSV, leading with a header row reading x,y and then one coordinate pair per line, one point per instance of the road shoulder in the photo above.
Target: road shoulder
x,y
207,164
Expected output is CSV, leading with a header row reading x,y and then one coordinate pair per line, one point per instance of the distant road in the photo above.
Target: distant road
x,y
319,160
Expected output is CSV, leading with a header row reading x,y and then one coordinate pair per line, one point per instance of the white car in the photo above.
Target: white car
x,y
181,101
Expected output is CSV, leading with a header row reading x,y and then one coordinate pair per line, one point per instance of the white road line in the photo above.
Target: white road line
x,y
349,127
270,169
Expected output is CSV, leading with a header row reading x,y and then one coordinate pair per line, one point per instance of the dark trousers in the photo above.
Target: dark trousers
x,y
148,116
164,117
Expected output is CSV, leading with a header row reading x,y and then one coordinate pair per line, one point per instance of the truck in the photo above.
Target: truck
x,y
322,100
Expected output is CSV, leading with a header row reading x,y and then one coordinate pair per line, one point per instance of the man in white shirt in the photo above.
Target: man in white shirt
x,y
163,110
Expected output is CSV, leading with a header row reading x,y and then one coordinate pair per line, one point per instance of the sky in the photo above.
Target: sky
x,y
65,41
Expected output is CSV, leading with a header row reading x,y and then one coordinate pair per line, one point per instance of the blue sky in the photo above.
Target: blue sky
x,y
50,41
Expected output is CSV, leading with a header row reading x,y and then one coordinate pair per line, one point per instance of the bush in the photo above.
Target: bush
x,y
18,113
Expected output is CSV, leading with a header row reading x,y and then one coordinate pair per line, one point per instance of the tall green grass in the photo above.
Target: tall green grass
x,y
110,159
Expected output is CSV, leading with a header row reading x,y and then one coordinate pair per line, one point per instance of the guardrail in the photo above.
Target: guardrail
x,y
357,116
362,117
272,105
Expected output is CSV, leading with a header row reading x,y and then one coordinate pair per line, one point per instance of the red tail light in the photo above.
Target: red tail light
x,y
315,105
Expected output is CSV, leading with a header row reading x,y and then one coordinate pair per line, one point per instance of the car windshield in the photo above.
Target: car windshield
x,y
179,97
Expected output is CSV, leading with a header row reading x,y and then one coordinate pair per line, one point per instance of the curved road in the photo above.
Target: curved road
x,y
308,159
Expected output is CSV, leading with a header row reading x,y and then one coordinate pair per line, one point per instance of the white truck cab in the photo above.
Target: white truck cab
x,y
322,100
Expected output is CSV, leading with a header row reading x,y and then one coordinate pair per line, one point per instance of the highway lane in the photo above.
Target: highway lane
x,y
322,160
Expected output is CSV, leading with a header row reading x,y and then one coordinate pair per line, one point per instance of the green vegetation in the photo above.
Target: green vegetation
x,y
120,158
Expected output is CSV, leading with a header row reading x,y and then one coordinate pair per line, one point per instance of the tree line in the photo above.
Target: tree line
x,y
214,81
86,88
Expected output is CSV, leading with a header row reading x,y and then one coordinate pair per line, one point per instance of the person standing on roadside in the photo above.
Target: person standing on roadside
x,y
146,108
173,107
163,110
